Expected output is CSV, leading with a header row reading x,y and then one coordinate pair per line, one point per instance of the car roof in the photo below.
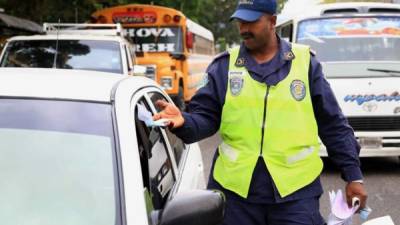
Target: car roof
x,y
66,84
67,37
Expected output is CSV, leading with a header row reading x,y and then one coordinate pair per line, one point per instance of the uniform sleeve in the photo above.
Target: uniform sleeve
x,y
205,107
333,128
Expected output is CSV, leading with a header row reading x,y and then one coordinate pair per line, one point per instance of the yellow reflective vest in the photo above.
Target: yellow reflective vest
x,y
276,123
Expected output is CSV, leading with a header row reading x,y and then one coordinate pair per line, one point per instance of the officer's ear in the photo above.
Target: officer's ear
x,y
273,20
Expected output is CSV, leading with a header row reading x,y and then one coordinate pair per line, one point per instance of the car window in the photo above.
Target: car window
x,y
158,175
57,163
176,143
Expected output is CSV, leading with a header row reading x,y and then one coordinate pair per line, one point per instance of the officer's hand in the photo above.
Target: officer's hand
x,y
170,112
355,189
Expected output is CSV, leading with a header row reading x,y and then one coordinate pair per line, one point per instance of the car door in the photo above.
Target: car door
x,y
190,174
155,168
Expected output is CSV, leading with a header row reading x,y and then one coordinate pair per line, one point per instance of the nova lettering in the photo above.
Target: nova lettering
x,y
147,32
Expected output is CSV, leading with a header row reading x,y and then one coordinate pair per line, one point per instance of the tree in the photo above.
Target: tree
x,y
50,10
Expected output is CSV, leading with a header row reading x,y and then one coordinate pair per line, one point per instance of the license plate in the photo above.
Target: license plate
x,y
370,142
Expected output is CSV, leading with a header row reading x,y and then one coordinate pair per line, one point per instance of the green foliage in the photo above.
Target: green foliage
x,y
50,10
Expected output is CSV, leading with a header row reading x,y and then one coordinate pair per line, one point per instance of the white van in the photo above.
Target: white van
x,y
358,45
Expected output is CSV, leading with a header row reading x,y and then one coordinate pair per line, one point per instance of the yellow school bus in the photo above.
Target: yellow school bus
x,y
175,50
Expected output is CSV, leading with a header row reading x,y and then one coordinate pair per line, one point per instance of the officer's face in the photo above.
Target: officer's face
x,y
257,34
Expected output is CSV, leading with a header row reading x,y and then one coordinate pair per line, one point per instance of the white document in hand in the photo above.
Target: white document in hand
x,y
146,116
340,214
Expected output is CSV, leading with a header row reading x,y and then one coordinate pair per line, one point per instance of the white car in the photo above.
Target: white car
x,y
73,151
97,47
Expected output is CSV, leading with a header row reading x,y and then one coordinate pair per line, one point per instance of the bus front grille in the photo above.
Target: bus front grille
x,y
381,123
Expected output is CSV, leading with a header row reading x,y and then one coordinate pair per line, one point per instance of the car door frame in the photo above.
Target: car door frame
x,y
190,153
133,194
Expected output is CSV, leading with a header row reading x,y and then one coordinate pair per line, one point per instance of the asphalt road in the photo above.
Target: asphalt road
x,y
381,176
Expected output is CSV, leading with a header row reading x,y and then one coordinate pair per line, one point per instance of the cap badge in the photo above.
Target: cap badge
x,y
249,2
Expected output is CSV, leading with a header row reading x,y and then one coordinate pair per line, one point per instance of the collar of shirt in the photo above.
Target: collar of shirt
x,y
277,65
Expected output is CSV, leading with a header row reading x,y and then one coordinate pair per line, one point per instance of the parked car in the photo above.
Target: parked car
x,y
98,47
72,152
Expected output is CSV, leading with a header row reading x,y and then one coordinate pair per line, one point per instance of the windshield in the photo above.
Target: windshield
x,y
102,56
57,163
157,39
352,38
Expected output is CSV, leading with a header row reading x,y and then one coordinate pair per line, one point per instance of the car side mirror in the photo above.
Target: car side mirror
x,y
139,70
196,207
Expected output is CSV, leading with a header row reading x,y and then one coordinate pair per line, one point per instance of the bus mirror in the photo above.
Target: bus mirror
x,y
189,40
178,55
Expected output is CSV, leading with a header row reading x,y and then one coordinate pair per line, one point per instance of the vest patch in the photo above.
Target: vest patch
x,y
298,90
236,82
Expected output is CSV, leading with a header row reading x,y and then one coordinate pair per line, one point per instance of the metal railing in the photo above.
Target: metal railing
x,y
84,29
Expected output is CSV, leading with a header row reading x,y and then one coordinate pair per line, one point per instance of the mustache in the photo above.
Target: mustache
x,y
246,35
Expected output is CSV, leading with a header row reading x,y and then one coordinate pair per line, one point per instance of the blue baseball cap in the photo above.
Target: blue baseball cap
x,y
252,10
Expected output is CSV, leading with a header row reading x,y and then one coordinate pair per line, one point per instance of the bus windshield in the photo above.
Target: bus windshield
x,y
157,39
352,38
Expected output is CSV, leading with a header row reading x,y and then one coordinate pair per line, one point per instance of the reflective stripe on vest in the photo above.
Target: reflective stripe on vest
x,y
275,122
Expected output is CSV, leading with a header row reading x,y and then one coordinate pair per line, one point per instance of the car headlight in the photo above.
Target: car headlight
x,y
166,83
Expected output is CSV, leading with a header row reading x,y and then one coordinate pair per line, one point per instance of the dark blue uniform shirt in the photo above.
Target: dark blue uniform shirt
x,y
205,117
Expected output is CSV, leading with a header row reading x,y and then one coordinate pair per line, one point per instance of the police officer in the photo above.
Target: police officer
x,y
270,101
